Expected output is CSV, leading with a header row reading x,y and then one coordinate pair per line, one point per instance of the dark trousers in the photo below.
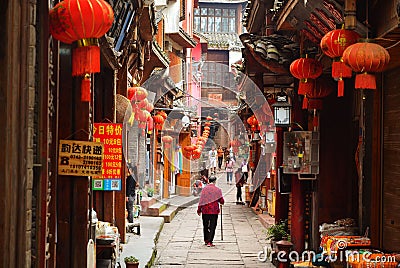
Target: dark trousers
x,y
209,225
246,176
220,162
129,207
239,194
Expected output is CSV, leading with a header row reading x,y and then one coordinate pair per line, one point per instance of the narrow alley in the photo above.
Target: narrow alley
x,y
243,236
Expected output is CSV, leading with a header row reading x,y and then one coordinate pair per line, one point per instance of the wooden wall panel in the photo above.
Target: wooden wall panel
x,y
391,160
338,177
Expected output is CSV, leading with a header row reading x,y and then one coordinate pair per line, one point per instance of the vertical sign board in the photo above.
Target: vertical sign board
x,y
110,135
80,158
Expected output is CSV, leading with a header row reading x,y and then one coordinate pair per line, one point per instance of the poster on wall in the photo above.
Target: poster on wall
x,y
110,134
80,158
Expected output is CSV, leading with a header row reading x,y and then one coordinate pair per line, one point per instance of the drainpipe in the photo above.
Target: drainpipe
x,y
350,19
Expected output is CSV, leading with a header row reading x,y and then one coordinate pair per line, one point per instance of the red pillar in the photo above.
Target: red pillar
x,y
297,231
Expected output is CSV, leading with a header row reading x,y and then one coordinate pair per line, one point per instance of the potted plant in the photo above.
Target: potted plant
x,y
277,232
131,262
150,192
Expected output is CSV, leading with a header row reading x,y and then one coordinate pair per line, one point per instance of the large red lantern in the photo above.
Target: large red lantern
x,y
333,44
366,58
253,122
82,21
305,69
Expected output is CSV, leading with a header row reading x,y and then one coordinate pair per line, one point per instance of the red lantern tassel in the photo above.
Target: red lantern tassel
x,y
340,87
85,60
85,88
305,103
340,69
365,81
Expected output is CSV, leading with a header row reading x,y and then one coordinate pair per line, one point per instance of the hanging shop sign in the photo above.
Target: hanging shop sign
x,y
80,158
110,135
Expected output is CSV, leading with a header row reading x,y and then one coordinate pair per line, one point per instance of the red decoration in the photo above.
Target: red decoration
x,y
150,124
209,118
366,58
158,121
167,140
196,153
207,124
137,94
321,89
163,114
305,69
207,128
333,44
83,21
253,122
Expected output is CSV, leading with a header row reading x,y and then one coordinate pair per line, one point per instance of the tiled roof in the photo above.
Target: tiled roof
x,y
223,41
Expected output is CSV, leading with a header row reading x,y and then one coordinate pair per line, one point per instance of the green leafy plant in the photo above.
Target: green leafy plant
x,y
278,231
150,192
131,259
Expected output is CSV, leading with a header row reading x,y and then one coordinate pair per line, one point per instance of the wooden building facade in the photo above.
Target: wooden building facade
x,y
358,174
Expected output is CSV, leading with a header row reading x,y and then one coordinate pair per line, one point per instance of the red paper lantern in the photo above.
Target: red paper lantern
x,y
163,114
158,121
366,58
209,118
207,128
137,94
333,44
150,124
167,140
321,89
196,153
305,69
83,21
207,124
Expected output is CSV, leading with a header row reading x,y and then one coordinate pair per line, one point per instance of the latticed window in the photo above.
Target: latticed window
x,y
215,20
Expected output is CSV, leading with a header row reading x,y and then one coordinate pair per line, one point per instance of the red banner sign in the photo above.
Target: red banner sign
x,y
110,135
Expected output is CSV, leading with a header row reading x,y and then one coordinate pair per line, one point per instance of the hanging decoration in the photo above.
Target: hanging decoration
x,y
366,58
333,44
137,93
150,125
167,140
253,122
305,69
158,121
82,22
321,89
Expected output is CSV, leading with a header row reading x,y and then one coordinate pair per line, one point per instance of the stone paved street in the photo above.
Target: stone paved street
x,y
181,241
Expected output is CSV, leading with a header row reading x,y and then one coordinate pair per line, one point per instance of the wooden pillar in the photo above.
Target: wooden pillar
x,y
72,191
297,231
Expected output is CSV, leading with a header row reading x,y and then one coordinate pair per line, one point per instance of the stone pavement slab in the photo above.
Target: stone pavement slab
x,y
181,241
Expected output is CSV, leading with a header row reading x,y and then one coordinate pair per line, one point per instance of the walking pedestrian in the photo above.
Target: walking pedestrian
x,y
245,169
210,200
239,184
220,153
212,157
131,181
229,169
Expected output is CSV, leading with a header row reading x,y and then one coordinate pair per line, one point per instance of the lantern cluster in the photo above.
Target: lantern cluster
x,y
333,44
141,108
82,22
194,151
